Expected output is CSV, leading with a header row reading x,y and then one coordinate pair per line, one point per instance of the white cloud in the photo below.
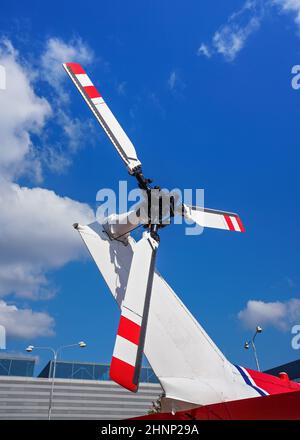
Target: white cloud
x,y
22,114
121,88
290,6
281,315
36,236
58,52
231,37
204,50
172,80
74,130
175,83
36,224
25,323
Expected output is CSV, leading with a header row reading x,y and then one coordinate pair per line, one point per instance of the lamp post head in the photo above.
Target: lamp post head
x,y
82,344
246,346
29,348
258,329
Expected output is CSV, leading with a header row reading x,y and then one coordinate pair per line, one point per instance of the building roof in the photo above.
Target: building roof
x,y
291,368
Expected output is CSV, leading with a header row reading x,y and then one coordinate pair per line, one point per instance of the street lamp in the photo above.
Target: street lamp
x,y
247,345
55,353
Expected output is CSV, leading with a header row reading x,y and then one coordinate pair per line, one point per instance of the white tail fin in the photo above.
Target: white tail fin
x,y
187,362
129,347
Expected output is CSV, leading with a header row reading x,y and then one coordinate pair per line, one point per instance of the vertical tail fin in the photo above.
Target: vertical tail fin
x,y
186,360
128,351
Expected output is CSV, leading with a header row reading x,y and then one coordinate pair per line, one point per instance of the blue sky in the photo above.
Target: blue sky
x,y
204,92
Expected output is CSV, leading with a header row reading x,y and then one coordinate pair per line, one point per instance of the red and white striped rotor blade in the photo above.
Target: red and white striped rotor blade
x,y
129,346
212,218
103,115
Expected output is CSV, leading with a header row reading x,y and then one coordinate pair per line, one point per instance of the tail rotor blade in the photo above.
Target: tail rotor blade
x,y
128,351
103,115
212,218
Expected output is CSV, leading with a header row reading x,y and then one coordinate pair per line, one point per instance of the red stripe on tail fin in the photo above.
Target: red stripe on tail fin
x,y
129,330
123,374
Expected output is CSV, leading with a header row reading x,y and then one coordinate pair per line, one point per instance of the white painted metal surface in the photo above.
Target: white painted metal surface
x,y
128,351
187,362
139,274
210,218
189,365
103,114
